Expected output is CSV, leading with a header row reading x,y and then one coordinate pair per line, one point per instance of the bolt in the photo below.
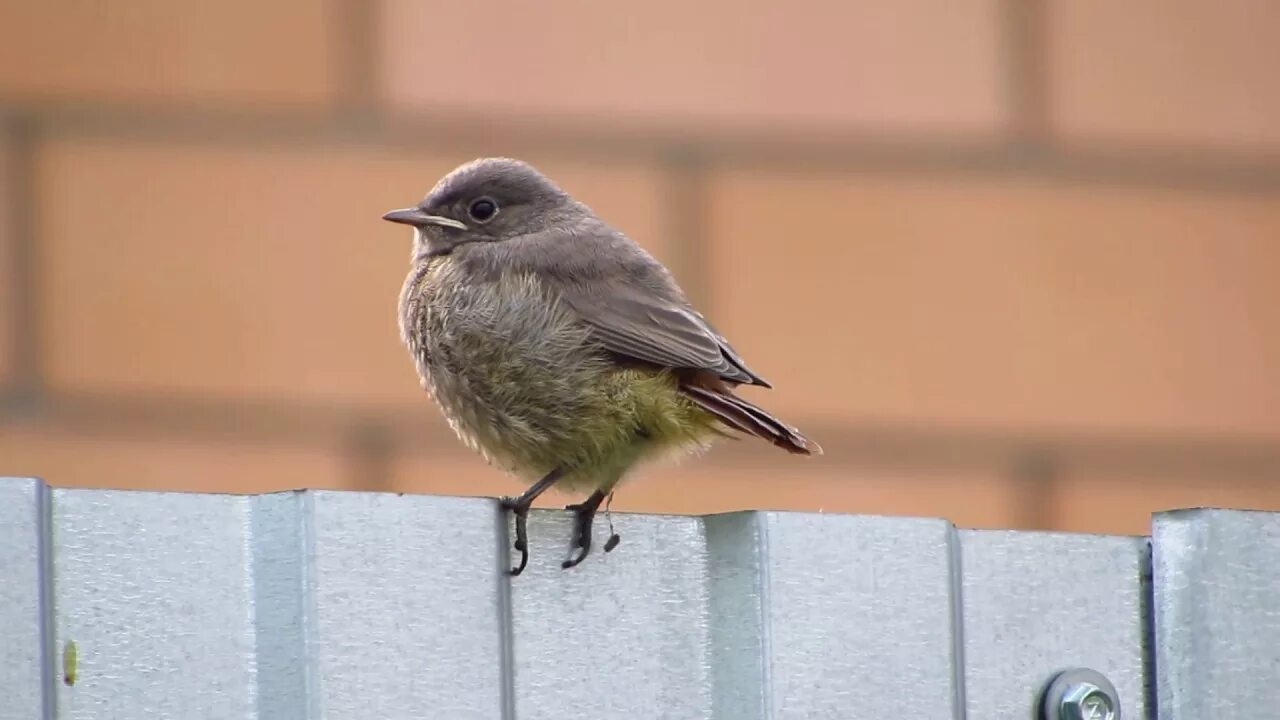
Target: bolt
x,y
1080,694
1086,701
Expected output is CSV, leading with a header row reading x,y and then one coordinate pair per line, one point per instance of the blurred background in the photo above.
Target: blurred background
x,y
1012,262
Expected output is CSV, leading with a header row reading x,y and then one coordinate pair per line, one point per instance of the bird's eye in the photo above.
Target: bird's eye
x,y
482,210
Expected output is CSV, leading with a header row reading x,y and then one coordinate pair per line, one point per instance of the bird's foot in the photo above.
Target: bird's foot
x,y
521,511
583,515
519,506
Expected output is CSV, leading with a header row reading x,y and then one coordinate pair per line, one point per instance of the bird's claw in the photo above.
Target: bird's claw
x,y
521,545
583,515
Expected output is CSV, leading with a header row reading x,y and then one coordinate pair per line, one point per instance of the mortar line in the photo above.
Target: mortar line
x,y
1025,36
27,334
357,58
1242,170
686,227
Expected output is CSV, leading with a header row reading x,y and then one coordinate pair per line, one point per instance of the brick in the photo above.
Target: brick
x,y
67,459
969,499
913,66
702,486
1000,303
1165,72
279,53
459,472
259,273
1121,503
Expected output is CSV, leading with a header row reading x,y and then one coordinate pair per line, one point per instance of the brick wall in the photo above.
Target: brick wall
x,y
1013,263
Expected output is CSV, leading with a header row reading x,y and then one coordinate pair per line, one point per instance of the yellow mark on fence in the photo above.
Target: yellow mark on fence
x,y
70,656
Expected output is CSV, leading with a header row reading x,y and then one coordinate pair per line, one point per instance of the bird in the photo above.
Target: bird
x,y
558,348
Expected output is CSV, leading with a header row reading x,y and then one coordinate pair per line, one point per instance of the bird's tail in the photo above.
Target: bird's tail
x,y
742,415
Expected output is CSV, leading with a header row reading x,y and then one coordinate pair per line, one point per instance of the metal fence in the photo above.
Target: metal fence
x,y
342,605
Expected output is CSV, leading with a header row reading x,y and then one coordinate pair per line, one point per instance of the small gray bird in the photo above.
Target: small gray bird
x,y
557,347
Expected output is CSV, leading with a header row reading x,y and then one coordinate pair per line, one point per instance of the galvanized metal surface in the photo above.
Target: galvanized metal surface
x,y
1217,614
23,633
156,590
1038,603
330,605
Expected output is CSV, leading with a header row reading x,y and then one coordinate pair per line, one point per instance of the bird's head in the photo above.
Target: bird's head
x,y
485,201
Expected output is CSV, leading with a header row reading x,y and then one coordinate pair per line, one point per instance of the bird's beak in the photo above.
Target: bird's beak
x,y
417,218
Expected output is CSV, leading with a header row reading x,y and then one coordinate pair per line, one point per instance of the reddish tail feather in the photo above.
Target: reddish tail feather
x,y
745,417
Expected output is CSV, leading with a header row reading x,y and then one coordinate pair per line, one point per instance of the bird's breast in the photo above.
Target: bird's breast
x,y
502,357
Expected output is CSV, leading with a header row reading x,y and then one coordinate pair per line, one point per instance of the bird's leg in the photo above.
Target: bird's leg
x,y
614,538
519,506
583,513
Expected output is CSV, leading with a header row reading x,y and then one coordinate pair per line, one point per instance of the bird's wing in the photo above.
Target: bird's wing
x,y
634,321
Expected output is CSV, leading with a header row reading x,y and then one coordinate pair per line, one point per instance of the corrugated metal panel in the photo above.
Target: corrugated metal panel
x,y
1036,603
157,592
1217,610
24,691
326,605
